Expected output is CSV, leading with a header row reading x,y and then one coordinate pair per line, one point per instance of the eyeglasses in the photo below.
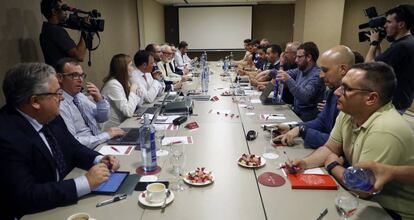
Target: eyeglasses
x,y
58,93
75,75
344,88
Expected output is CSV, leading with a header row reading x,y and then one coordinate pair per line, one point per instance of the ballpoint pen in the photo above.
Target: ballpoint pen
x,y
116,198
322,214
113,148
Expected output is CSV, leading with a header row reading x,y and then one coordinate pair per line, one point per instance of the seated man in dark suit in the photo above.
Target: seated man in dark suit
x,y
36,149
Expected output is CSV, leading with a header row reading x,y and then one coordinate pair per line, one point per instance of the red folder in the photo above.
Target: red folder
x,y
312,181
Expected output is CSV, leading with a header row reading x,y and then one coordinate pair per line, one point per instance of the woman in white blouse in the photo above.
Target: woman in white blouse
x,y
123,96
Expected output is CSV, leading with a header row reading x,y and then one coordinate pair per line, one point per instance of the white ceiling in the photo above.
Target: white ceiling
x,y
197,2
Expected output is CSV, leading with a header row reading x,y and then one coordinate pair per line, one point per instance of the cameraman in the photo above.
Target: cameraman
x,y
54,40
400,54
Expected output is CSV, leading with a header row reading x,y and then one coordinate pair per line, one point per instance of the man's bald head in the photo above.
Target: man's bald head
x,y
334,63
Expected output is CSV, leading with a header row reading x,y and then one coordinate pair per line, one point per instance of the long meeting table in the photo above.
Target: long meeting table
x,y
236,193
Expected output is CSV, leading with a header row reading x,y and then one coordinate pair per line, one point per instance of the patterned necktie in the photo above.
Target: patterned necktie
x,y
88,121
56,151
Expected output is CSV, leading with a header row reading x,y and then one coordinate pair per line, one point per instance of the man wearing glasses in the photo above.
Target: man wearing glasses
x,y
304,82
334,62
80,114
36,149
369,128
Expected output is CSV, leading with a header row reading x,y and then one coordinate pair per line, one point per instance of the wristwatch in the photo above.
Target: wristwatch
x,y
374,43
332,165
302,130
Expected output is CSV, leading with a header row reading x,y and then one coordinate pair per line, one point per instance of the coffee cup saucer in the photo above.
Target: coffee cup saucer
x,y
145,202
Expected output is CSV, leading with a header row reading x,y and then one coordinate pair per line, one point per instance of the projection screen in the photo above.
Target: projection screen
x,y
215,28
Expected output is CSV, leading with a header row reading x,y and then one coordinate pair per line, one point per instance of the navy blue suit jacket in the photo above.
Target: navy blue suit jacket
x,y
28,182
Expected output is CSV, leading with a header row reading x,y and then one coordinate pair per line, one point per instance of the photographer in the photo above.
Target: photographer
x,y
400,54
54,39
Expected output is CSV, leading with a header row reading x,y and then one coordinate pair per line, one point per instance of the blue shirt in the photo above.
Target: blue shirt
x,y
317,130
81,182
307,89
98,113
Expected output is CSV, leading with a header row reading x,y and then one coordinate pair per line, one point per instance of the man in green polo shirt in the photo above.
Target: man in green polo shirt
x,y
369,128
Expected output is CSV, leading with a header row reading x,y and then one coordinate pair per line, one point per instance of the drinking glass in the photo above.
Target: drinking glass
x,y
159,136
346,204
270,150
177,161
188,102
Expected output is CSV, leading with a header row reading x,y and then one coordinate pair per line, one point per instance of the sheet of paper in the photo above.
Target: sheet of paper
x,y
314,171
177,140
162,119
250,113
116,149
256,101
272,117
170,127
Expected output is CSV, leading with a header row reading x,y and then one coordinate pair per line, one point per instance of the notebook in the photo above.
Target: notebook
x,y
312,181
140,111
264,97
132,134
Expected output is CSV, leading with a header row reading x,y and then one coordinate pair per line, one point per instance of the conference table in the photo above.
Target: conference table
x,y
217,145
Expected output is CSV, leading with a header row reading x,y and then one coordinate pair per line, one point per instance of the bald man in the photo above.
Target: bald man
x,y
334,63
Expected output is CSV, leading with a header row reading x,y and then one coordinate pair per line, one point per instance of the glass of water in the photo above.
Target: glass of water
x,y
346,204
177,161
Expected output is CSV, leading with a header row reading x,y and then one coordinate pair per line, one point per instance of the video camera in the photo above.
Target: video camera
x,y
375,22
87,24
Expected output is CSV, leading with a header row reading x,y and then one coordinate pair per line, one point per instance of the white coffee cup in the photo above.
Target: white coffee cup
x,y
80,216
155,192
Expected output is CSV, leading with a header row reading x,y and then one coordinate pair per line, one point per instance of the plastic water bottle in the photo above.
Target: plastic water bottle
x,y
231,58
359,179
148,146
205,79
275,91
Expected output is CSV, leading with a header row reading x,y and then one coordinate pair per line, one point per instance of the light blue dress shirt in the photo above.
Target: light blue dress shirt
x,y
77,126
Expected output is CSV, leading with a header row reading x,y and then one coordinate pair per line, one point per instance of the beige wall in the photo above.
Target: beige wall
x,y
319,21
152,25
267,22
299,23
21,21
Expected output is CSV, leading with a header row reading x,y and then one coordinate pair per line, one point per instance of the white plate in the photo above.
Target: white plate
x,y
198,184
263,162
144,202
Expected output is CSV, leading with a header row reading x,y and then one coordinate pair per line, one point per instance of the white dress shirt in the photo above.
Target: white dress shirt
x,y
149,87
121,106
167,73
181,60
77,125
81,182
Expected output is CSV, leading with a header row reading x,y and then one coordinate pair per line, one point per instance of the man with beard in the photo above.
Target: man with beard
x,y
335,62
304,82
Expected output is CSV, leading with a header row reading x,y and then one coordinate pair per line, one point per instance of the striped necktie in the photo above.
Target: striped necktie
x,y
88,120
56,151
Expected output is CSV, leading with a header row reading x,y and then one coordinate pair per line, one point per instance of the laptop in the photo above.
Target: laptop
x,y
264,97
140,111
132,134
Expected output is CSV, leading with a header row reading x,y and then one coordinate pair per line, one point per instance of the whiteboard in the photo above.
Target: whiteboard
x,y
215,28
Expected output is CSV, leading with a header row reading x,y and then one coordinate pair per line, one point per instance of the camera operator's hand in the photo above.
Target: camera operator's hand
x,y
373,36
